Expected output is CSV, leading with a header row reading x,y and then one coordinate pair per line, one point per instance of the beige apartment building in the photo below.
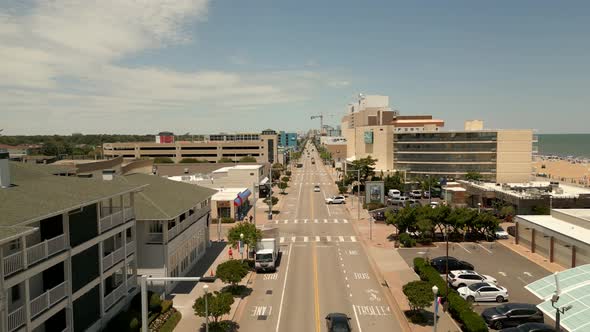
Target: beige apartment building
x,y
417,145
262,146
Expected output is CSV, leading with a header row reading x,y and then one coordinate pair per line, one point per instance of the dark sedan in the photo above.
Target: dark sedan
x,y
512,314
440,264
530,327
338,322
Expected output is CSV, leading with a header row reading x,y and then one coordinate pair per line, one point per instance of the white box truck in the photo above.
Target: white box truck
x,y
267,253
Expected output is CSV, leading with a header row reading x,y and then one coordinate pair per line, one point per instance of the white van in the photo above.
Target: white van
x,y
401,200
394,193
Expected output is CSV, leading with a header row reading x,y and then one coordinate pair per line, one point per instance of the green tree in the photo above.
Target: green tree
x,y
225,160
273,201
394,181
366,167
163,160
428,183
473,176
486,223
247,159
404,220
540,210
285,179
283,186
218,304
231,272
507,212
419,294
251,234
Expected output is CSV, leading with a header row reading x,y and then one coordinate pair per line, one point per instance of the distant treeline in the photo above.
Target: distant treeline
x,y
75,139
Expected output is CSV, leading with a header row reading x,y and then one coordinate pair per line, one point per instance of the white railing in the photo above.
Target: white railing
x,y
111,221
13,263
128,213
130,247
174,231
112,258
48,299
42,250
113,296
16,319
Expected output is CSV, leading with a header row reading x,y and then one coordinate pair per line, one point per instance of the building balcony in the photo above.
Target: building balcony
x,y
180,227
130,247
16,319
113,258
131,283
48,299
115,219
114,296
35,254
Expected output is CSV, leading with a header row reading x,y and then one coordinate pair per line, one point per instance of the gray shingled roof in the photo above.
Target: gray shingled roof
x,y
37,193
165,199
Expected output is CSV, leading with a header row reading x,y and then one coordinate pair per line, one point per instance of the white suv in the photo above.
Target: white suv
x,y
416,194
336,200
462,278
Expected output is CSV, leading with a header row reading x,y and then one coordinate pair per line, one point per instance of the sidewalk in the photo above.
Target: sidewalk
x,y
392,269
185,294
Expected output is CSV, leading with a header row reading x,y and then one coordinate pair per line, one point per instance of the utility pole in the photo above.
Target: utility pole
x,y
358,175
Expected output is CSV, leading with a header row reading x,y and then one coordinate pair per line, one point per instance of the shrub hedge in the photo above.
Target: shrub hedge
x,y
459,309
406,240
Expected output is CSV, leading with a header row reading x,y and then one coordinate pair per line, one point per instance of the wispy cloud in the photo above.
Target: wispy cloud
x,y
62,59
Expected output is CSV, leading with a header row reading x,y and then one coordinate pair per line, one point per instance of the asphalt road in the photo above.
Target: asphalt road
x,y
323,267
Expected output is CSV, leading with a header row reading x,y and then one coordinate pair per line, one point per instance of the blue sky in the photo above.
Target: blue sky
x,y
208,66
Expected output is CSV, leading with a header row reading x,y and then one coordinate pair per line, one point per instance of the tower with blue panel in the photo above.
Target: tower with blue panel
x,y
288,140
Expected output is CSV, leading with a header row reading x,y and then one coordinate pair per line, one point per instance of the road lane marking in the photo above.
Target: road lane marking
x,y
305,221
459,244
286,221
502,273
341,238
361,276
329,238
315,221
524,282
270,276
276,221
325,221
261,311
346,221
317,239
353,252
305,238
316,290
527,274
336,221
282,240
373,310
373,295
358,323
353,238
293,238
296,221
283,293
484,248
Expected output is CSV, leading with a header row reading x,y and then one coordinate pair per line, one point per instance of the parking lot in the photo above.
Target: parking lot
x,y
509,268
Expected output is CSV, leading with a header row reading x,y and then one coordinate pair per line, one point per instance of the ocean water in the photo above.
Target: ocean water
x,y
577,145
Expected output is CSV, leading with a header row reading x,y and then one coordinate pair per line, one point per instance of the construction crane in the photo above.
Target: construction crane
x,y
321,117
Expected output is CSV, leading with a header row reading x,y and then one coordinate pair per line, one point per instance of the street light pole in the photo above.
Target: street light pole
x,y
358,180
242,245
206,288
435,304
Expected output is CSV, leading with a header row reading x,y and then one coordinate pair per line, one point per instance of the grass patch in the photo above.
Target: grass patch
x,y
171,322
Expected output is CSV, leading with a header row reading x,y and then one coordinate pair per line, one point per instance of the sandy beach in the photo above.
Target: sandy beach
x,y
564,171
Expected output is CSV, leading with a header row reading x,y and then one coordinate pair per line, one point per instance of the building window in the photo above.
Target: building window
x,y
15,293
155,227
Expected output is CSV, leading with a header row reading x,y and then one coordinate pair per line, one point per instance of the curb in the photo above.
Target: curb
x,y
241,300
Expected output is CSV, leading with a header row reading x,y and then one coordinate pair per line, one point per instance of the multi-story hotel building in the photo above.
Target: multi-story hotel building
x,y
262,146
67,249
417,145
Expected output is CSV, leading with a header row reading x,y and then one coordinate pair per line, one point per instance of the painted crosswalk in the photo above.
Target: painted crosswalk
x,y
317,238
311,221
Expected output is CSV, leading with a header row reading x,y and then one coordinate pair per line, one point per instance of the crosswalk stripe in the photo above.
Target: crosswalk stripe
x,y
296,220
305,221
325,221
341,238
346,221
317,239
282,239
353,238
315,221
286,221
305,238
276,221
329,238
336,220
293,238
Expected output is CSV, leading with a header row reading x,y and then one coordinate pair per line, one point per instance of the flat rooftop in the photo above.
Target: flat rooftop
x,y
559,226
508,188
227,194
228,168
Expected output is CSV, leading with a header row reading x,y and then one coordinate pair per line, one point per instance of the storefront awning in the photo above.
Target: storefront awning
x,y
242,197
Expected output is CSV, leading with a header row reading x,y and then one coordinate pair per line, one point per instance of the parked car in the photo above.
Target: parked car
x,y
501,233
336,200
416,194
426,194
412,203
316,188
337,322
397,200
462,278
434,204
483,291
512,314
394,193
378,216
440,264
530,327
511,230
